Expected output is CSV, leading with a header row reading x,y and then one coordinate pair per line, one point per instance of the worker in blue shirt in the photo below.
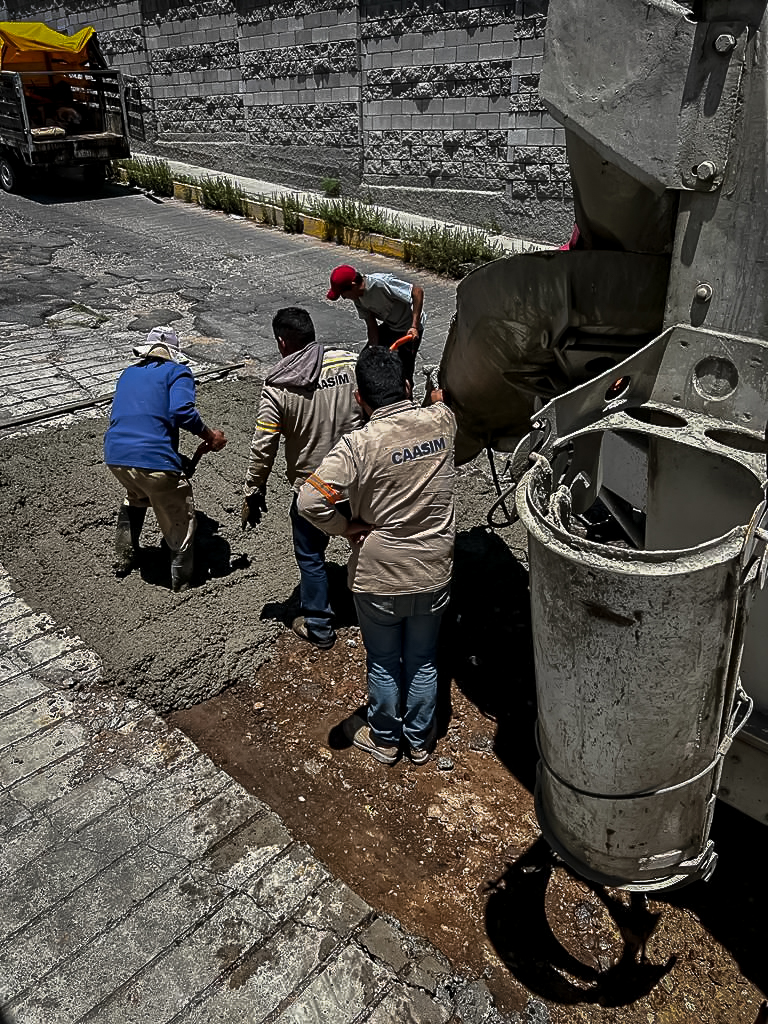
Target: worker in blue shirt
x,y
154,399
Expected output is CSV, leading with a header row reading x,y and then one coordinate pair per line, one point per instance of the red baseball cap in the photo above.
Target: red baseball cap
x,y
341,278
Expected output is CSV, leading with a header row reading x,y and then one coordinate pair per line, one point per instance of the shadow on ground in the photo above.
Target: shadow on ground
x,y
487,647
733,904
543,964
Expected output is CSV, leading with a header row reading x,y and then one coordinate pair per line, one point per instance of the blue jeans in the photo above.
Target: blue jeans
x,y
309,545
400,633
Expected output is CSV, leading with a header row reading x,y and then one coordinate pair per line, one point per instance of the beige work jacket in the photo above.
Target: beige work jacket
x,y
398,474
310,419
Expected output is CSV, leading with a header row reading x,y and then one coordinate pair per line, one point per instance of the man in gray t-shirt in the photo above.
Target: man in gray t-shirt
x,y
391,308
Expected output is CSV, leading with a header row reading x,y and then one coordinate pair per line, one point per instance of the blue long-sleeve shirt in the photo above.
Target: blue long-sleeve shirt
x,y
152,402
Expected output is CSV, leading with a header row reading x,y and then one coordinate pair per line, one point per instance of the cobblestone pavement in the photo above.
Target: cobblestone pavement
x,y
140,882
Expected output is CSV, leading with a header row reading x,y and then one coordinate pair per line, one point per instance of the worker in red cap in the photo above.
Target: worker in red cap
x,y
391,309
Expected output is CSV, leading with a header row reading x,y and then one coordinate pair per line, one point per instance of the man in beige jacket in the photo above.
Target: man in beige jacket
x,y
398,474
309,399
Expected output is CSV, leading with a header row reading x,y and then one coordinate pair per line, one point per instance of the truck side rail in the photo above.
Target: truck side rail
x,y
81,102
12,124
63,118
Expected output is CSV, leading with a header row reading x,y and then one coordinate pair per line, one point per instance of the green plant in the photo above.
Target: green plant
x,y
152,175
268,216
221,194
342,217
331,187
449,251
334,227
292,208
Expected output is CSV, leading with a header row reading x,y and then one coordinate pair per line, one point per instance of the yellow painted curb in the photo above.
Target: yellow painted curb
x,y
270,215
187,193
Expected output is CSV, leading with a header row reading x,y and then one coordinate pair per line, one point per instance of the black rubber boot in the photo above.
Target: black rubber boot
x,y
130,521
181,569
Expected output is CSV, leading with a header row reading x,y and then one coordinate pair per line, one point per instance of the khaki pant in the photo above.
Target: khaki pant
x,y
169,495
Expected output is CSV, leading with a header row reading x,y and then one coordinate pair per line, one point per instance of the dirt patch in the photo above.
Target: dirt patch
x,y
451,849
404,837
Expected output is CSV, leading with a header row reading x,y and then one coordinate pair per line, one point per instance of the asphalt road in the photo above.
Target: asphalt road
x,y
82,277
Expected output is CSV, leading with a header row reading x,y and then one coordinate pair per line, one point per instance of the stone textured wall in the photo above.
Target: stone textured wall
x,y
421,104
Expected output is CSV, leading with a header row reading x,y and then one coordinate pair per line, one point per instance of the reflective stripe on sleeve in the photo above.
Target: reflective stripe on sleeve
x,y
267,428
329,493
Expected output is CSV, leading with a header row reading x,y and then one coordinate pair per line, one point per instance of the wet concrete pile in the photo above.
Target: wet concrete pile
x,y
58,505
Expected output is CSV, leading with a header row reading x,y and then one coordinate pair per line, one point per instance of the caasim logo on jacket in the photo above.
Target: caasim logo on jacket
x,y
418,450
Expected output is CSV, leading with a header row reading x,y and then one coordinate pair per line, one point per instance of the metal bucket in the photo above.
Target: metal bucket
x,y
637,655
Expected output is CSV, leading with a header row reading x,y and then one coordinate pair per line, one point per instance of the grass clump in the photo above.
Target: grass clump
x,y
221,194
152,175
291,208
450,251
343,218
331,187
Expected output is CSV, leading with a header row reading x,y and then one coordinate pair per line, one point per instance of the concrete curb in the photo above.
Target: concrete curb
x,y
271,214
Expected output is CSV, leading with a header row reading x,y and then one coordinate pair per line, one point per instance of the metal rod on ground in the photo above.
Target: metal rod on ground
x,y
90,403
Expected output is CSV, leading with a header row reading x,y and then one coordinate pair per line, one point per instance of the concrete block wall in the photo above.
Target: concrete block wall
x,y
419,105
451,116
301,85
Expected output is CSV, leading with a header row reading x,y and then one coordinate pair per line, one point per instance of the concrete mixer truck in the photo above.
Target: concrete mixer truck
x,y
626,379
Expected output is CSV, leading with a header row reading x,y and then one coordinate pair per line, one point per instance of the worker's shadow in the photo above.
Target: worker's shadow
x,y
518,927
339,594
213,557
486,647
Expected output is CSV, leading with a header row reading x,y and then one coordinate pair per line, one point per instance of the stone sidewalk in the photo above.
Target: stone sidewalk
x,y
143,884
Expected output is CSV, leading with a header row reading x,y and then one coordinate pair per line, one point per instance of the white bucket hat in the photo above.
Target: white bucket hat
x,y
162,343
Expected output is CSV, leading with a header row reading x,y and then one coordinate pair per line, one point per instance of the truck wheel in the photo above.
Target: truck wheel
x,y
94,175
9,179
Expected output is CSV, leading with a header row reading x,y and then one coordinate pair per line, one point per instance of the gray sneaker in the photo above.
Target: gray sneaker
x,y
356,730
419,755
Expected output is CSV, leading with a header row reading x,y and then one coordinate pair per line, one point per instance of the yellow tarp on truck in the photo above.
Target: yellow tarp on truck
x,y
32,46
